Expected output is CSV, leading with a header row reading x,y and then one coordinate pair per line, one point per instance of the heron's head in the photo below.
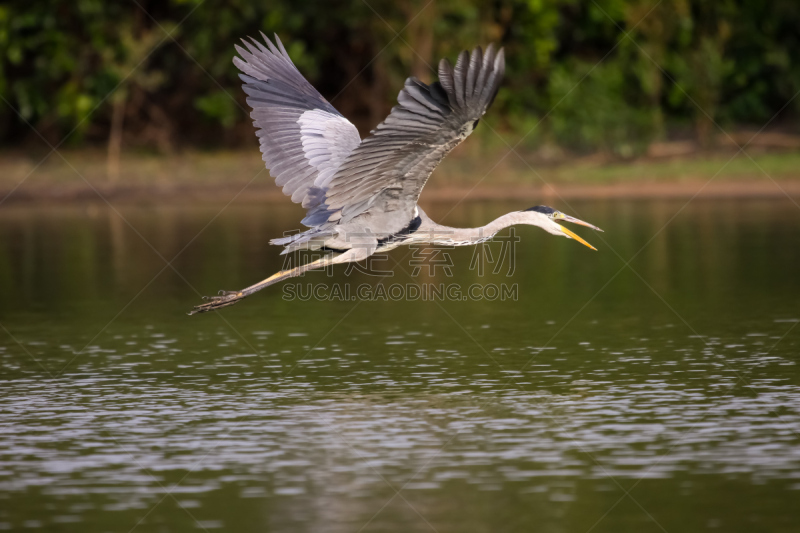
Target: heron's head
x,y
545,217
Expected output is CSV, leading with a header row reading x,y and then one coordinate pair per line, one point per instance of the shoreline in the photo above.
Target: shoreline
x,y
221,176
268,193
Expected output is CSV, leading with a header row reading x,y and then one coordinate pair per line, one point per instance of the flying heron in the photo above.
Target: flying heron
x,y
361,195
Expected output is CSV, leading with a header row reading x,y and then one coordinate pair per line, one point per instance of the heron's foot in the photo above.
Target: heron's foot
x,y
224,299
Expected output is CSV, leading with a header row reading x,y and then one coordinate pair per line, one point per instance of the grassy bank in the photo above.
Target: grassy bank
x,y
495,173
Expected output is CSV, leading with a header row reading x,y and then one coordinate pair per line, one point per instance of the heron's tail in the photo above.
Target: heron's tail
x,y
312,239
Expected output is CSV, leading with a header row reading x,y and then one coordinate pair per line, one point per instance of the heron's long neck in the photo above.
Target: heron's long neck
x,y
466,236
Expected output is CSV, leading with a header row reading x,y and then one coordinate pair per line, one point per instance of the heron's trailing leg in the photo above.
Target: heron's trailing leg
x,y
227,298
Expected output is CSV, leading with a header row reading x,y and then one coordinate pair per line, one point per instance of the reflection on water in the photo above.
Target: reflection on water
x,y
600,399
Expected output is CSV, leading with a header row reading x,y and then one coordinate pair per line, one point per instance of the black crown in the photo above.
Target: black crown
x,y
542,209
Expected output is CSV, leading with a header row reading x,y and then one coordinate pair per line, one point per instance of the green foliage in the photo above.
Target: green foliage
x,y
606,74
594,110
220,106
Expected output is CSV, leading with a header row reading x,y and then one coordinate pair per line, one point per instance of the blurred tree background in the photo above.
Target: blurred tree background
x,y
604,75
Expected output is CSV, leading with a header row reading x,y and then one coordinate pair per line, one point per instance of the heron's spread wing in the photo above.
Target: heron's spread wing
x,y
390,168
303,138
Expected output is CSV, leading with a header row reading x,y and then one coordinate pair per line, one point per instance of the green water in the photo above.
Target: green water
x,y
660,397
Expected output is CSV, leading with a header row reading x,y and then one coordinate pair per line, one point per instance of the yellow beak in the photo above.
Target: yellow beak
x,y
577,237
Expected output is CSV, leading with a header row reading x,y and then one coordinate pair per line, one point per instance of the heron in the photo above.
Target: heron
x,y
360,195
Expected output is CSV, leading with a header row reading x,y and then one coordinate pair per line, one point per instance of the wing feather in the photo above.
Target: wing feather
x,y
385,174
460,78
303,138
